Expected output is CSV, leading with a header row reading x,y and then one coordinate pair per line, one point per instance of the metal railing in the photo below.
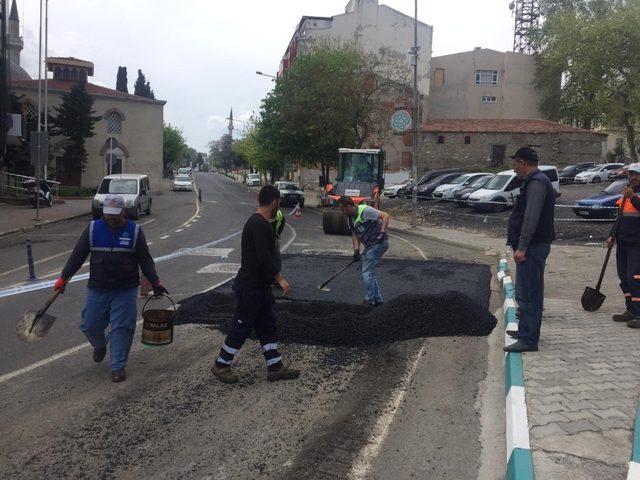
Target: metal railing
x,y
11,184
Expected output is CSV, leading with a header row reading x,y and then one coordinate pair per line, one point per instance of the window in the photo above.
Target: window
x,y
486,77
441,139
467,140
114,123
488,99
438,77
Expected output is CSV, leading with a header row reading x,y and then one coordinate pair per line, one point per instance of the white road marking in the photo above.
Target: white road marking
x,y
178,230
301,244
149,243
197,206
148,221
35,263
164,237
187,226
418,249
361,468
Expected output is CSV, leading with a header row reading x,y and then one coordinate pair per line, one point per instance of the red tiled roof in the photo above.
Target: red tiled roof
x,y
455,125
92,89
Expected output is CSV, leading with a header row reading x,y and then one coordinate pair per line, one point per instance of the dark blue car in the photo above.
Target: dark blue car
x,y
595,203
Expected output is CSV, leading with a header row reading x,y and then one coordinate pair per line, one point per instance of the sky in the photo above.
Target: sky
x,y
201,55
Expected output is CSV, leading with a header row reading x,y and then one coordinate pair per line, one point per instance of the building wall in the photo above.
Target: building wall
x,y
555,149
454,93
141,137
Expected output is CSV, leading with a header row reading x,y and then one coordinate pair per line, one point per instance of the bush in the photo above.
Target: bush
x,y
77,191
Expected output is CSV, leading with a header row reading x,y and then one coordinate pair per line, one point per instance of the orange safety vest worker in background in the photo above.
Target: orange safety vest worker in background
x,y
628,249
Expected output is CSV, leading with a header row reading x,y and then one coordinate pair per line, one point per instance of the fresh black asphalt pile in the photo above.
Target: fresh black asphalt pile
x,y
423,299
338,324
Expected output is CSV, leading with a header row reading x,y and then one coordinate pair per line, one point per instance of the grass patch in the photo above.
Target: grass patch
x,y
77,191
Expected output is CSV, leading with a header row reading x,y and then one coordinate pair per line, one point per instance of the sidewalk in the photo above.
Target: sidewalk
x,y
15,218
583,386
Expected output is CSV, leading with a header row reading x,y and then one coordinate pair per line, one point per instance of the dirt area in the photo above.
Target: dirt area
x,y
570,229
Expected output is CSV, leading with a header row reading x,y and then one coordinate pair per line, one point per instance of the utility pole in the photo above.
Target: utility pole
x,y
416,122
37,192
46,88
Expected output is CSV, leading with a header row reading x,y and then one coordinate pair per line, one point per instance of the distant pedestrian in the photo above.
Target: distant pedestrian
x,y
259,265
628,249
117,247
530,233
369,228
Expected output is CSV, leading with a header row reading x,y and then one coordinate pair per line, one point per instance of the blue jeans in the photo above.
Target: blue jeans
x,y
370,262
117,308
530,292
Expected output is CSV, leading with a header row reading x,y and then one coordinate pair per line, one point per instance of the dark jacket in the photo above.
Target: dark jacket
x,y
532,219
115,256
629,226
258,263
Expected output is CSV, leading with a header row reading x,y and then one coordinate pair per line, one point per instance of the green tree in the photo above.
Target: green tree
x,y
75,120
252,150
222,155
142,87
121,80
173,148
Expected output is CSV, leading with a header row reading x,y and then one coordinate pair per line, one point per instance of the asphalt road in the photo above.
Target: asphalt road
x,y
423,408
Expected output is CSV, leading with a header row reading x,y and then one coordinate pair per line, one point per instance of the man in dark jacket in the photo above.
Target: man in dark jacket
x,y
117,247
530,233
628,249
259,266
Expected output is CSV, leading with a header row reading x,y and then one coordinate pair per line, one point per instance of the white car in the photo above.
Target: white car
x,y
253,179
597,174
446,191
392,192
134,188
182,183
501,191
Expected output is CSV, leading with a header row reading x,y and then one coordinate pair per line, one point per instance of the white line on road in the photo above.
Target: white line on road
x,y
148,221
301,244
419,250
164,237
179,230
35,263
361,468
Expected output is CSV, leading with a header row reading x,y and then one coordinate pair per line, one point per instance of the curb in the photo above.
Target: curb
x,y
634,465
519,459
28,228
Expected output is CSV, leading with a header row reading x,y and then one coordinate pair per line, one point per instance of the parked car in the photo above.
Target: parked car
x,y
501,191
619,174
567,174
392,191
134,188
182,183
597,174
462,195
425,191
253,179
184,171
446,191
427,177
592,207
290,194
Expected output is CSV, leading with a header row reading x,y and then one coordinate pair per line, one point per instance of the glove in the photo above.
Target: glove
x,y
60,285
356,256
381,237
158,289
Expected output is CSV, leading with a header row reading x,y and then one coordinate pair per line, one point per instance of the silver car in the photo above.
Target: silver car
x,y
133,188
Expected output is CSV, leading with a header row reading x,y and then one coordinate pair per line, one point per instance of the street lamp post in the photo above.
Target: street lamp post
x,y
266,75
416,121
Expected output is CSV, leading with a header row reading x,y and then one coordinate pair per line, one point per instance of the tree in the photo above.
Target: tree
x,y
589,64
17,157
222,155
255,152
142,87
75,120
173,148
121,81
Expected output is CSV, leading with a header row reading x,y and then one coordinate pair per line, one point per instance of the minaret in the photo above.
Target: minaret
x,y
14,41
231,123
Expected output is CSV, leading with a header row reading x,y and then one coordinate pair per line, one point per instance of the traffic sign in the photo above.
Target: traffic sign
x,y
401,121
41,140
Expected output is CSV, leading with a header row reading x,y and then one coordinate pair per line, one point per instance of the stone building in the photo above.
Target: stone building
x,y
128,137
483,83
481,143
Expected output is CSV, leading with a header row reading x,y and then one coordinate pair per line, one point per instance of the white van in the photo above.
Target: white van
x,y
253,179
133,188
504,188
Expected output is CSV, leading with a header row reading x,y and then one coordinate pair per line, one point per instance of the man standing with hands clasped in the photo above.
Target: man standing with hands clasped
x,y
530,233
628,249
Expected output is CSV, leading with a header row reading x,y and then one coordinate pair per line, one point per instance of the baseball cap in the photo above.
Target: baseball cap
x,y
634,167
528,154
113,205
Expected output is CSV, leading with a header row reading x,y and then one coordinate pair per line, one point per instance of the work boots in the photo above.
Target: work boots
x,y
634,322
284,373
224,374
625,317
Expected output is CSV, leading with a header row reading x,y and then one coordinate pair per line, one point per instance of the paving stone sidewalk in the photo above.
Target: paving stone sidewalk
x,y
583,386
22,217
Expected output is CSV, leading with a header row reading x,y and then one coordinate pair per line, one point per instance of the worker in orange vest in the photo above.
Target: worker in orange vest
x,y
628,249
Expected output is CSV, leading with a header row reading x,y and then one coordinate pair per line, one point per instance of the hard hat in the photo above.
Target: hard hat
x,y
634,167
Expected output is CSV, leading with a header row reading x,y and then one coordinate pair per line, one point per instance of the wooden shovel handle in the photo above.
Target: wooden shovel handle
x,y
46,306
614,234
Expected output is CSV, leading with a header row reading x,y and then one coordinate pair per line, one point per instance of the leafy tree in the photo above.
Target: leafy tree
x,y
75,120
222,155
121,81
142,87
17,156
254,151
589,64
173,148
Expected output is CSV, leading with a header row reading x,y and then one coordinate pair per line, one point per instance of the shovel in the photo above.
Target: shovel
x,y
35,325
324,287
593,298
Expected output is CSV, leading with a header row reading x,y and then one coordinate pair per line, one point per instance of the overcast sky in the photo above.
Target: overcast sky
x,y
201,55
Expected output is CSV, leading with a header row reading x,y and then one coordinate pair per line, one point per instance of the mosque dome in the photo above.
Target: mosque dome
x,y
17,73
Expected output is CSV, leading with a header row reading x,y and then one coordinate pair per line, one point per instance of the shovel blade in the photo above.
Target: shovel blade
x,y
28,332
592,299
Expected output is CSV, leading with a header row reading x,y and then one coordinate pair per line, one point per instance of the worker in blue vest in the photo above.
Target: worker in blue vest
x,y
118,248
369,228
529,233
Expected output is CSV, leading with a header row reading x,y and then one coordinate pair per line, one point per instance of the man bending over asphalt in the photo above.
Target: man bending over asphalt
x,y
117,247
259,265
368,227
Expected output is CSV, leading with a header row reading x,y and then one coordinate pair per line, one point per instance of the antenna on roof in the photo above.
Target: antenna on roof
x,y
527,19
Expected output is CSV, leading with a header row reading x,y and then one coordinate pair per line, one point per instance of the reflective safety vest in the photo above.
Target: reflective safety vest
x,y
629,210
279,220
113,263
103,239
360,210
629,226
366,231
